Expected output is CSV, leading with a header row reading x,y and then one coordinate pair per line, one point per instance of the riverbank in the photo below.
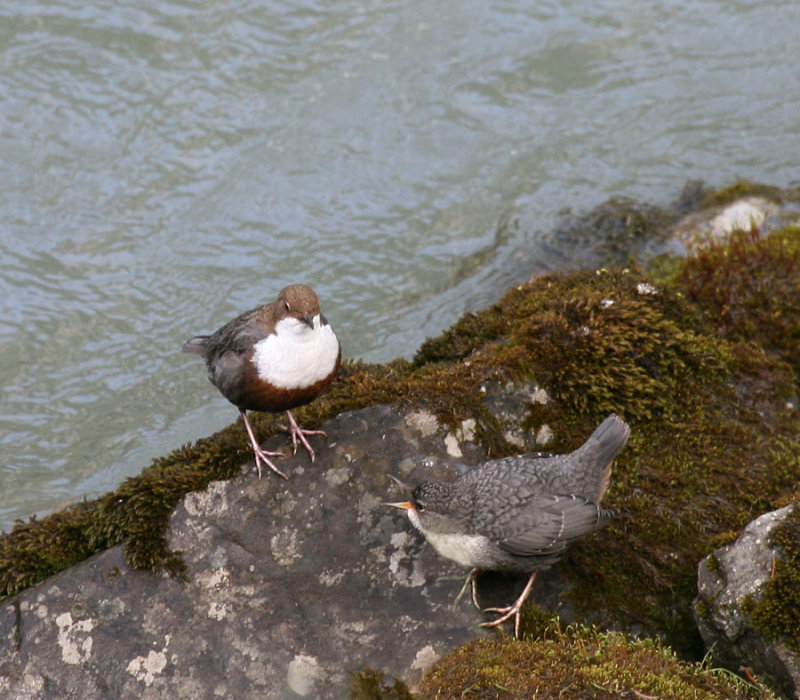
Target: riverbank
x,y
202,579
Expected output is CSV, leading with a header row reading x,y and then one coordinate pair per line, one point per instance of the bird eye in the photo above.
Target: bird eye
x,y
419,506
286,303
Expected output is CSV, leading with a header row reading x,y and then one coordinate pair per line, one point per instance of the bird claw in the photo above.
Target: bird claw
x,y
513,610
262,457
506,614
298,434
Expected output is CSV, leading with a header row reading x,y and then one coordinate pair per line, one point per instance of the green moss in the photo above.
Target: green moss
x,y
577,662
721,540
744,188
136,514
594,339
700,365
776,613
369,684
712,443
665,267
615,231
747,290
40,548
713,565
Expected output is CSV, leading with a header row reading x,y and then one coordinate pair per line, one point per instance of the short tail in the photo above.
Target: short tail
x,y
607,439
600,449
196,345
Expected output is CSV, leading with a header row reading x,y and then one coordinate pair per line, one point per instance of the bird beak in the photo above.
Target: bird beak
x,y
406,505
308,319
401,484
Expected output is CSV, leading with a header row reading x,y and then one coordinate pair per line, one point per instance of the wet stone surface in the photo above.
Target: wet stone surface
x,y
291,584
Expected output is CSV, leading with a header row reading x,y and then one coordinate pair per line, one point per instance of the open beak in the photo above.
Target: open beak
x,y
401,484
405,505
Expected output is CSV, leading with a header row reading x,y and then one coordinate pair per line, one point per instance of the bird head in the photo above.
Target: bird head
x,y
403,505
298,302
430,506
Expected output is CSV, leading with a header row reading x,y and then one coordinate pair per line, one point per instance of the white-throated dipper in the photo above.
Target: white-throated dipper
x,y
274,358
518,514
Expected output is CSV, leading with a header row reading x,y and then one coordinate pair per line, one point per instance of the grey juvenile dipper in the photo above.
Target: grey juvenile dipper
x,y
519,513
274,358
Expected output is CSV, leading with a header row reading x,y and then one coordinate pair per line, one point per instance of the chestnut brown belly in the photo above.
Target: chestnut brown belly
x,y
254,394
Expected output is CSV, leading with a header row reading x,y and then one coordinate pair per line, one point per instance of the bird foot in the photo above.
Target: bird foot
x,y
299,434
263,457
512,610
472,578
506,614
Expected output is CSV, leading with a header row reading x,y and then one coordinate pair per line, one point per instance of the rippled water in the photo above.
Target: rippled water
x,y
166,165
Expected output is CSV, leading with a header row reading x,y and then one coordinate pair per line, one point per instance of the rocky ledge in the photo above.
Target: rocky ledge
x,y
287,586
746,608
197,579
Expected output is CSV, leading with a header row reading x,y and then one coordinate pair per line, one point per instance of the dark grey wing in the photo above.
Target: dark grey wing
x,y
545,524
237,336
227,350
226,374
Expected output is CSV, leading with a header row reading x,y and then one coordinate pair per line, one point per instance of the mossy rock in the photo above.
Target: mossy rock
x,y
748,290
705,379
745,188
776,612
369,684
578,662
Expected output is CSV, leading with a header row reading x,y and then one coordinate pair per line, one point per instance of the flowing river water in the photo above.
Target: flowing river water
x,y
166,165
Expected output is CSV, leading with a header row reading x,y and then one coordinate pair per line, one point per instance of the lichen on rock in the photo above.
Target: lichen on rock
x,y
699,355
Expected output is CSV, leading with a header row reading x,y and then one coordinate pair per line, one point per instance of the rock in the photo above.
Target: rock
x,y
715,225
508,402
726,579
290,585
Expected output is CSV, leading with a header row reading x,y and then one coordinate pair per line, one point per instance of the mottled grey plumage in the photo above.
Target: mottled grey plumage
x,y
520,513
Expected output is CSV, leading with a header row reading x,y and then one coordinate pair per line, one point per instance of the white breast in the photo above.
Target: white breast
x,y
296,356
464,549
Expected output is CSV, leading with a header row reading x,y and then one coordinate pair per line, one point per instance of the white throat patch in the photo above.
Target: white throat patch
x,y
464,549
296,356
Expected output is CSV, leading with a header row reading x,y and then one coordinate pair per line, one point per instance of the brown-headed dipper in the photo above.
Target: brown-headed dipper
x,y
274,358
519,513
